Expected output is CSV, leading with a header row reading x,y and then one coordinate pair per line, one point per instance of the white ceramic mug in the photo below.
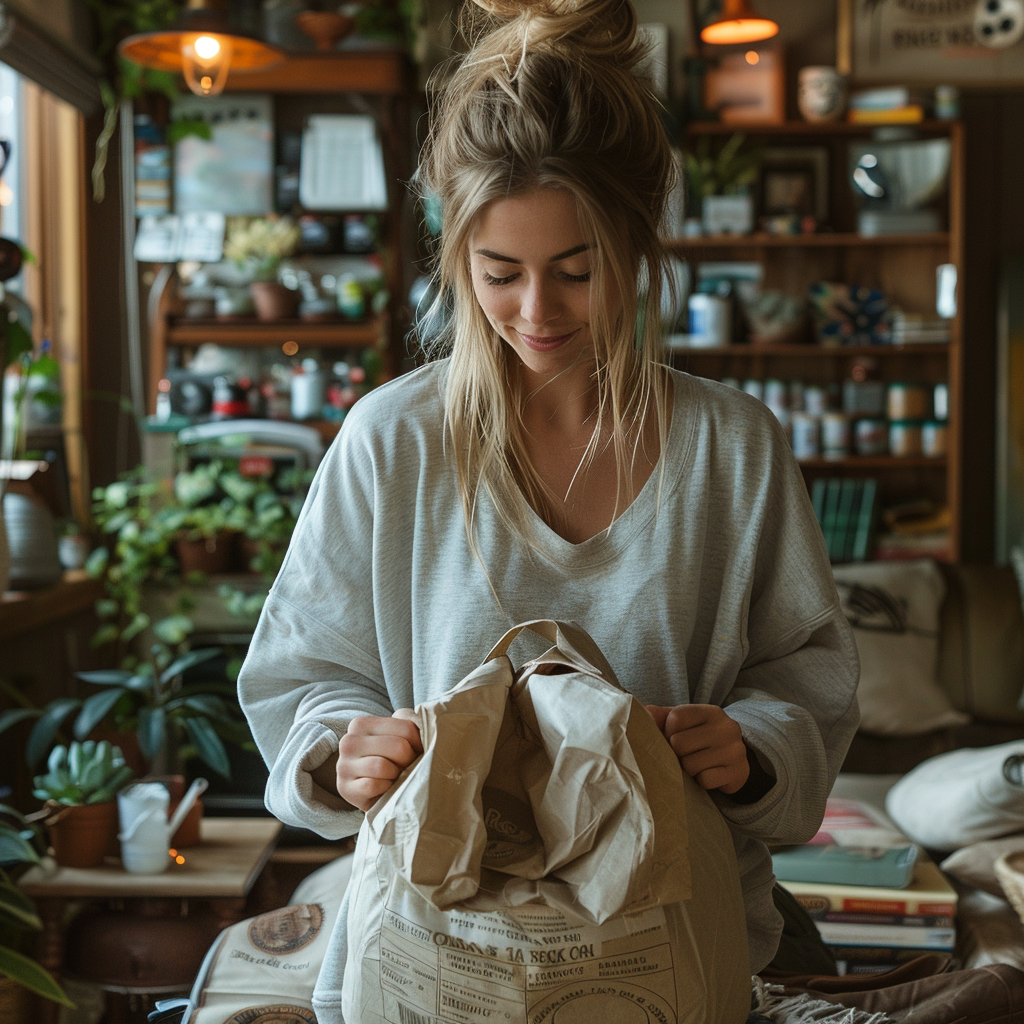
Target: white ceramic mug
x,y
821,93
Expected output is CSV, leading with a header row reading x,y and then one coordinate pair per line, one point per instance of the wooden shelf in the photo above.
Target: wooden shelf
x,y
876,462
260,333
825,240
382,72
751,351
824,128
21,611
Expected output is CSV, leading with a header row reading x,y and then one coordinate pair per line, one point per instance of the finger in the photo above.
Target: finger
x,y
689,716
396,749
659,714
368,725
408,715
364,793
728,780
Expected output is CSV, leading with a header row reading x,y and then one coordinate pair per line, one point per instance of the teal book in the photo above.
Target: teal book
x,y
818,499
828,526
861,549
889,867
846,523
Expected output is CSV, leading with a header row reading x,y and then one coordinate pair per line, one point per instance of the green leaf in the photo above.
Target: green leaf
x,y
106,634
152,730
187,661
19,341
135,627
41,738
106,607
27,972
174,630
15,849
94,709
16,715
209,746
15,904
105,677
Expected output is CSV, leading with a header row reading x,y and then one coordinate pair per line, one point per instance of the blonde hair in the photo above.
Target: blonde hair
x,y
548,96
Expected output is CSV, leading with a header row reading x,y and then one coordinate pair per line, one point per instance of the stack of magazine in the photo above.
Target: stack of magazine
x,y
876,900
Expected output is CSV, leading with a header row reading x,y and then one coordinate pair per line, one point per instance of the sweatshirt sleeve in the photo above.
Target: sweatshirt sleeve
x,y
795,694
313,664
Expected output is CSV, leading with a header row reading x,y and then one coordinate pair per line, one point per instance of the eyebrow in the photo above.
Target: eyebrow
x,y
574,251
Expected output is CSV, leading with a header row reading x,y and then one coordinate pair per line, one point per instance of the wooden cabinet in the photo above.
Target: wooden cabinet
x,y
902,266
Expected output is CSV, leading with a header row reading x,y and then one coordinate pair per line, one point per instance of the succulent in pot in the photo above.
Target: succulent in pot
x,y
79,789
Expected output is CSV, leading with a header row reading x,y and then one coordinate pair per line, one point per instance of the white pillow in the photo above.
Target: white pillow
x,y
894,610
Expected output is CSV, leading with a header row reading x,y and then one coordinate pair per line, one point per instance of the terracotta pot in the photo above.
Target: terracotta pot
x,y
207,555
325,28
82,836
273,301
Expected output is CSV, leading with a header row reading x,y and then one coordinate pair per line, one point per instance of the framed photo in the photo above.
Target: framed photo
x,y
794,180
957,42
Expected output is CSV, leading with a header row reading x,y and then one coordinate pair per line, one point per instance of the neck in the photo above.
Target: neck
x,y
564,404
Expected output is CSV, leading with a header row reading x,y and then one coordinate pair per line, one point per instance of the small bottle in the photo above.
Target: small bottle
x,y
308,391
350,297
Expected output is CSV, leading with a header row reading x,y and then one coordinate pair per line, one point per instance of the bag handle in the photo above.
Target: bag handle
x,y
573,645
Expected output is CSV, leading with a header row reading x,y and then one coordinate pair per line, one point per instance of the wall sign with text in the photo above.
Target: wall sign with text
x,y
932,42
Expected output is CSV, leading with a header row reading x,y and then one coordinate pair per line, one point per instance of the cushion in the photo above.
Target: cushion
x,y
963,797
894,610
973,865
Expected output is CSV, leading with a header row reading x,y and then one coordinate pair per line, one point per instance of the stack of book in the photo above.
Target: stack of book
x,y
846,510
903,908
915,329
894,105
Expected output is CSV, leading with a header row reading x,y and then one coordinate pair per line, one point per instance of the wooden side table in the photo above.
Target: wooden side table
x,y
219,872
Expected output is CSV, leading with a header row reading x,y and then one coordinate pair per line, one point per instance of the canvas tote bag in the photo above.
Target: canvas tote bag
x,y
545,861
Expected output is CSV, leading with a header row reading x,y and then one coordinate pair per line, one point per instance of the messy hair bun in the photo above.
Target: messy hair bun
x,y
548,95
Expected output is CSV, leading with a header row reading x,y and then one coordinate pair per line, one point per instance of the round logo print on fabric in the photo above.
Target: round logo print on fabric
x,y
287,930
616,1001
273,1015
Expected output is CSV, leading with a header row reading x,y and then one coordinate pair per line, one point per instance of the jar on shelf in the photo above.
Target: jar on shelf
x,y
905,438
871,437
309,389
934,438
835,435
806,435
907,401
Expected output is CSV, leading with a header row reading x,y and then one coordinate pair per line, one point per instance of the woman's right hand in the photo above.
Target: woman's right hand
x,y
373,753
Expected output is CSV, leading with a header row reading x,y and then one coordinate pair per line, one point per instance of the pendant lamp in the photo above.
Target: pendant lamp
x,y
738,24
202,46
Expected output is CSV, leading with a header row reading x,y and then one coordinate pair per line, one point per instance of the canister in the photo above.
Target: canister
x,y
933,438
815,400
710,320
806,435
754,387
905,437
907,401
865,398
940,401
835,435
309,390
775,395
871,437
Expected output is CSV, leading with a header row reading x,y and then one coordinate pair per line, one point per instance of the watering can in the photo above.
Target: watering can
x,y
145,830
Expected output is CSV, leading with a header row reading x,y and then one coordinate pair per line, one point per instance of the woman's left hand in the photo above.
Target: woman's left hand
x,y
708,743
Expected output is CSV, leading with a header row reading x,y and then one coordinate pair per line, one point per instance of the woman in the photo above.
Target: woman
x,y
549,466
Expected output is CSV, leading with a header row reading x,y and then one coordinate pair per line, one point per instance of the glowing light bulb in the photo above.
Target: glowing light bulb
x,y
206,47
205,61
752,57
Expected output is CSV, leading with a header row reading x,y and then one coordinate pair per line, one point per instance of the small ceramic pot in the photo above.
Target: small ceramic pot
x,y
82,836
273,301
821,93
325,28
207,555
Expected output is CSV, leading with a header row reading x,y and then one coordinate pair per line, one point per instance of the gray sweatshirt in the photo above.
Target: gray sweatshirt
x,y
717,590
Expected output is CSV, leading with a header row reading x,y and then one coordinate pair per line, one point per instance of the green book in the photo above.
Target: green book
x,y
833,488
818,499
846,518
865,522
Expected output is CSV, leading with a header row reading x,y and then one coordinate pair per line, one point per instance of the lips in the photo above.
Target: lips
x,y
546,342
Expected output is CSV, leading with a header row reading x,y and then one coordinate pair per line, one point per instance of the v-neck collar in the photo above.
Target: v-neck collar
x,y
676,455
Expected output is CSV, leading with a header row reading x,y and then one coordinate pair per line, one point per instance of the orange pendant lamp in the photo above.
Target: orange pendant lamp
x,y
738,24
202,46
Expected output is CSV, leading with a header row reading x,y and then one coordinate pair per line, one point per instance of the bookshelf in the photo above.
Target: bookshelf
x,y
902,266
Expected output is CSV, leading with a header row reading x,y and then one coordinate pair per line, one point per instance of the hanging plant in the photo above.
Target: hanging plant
x,y
116,19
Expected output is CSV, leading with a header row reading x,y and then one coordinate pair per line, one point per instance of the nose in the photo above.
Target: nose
x,y
540,303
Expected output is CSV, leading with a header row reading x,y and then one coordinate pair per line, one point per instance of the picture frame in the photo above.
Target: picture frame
x,y
794,180
879,42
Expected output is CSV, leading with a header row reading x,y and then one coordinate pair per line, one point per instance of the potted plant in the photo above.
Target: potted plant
x,y
19,973
718,185
79,790
257,245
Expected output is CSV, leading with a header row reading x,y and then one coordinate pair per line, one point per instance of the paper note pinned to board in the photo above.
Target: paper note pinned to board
x,y
342,166
188,236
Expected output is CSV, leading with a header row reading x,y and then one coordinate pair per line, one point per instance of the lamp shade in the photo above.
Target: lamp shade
x,y
738,24
202,46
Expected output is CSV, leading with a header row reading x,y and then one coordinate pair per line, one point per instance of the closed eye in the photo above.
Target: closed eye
x,y
498,280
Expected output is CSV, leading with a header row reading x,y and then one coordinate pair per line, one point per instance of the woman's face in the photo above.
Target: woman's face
x,y
531,267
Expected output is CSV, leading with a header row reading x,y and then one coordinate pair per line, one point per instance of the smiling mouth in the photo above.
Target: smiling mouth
x,y
546,342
